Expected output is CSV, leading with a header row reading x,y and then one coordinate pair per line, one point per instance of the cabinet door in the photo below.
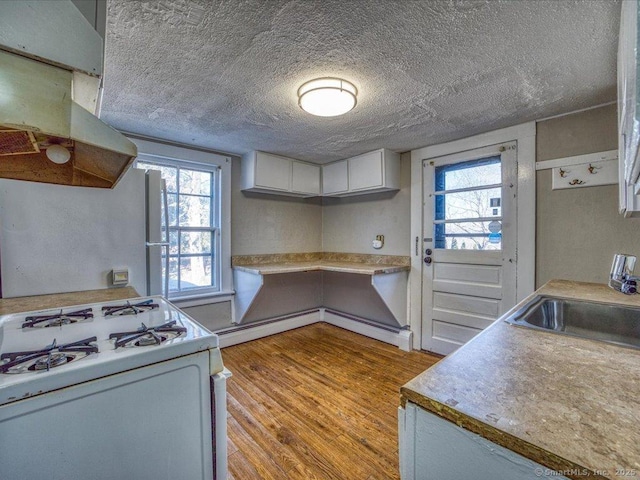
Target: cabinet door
x,y
273,172
305,178
334,178
365,171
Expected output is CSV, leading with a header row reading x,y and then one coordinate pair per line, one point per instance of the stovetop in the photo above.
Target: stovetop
x,y
69,345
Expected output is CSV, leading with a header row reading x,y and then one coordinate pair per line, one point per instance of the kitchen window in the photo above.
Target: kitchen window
x,y
197,187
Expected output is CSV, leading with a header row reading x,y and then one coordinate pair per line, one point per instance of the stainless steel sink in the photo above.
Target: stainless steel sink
x,y
596,321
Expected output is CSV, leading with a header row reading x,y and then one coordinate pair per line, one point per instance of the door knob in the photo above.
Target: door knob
x,y
428,251
427,260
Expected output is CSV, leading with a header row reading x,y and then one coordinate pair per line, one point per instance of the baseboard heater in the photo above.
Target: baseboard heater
x,y
246,326
371,323
400,337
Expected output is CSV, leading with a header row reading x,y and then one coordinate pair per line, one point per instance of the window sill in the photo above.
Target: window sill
x,y
196,300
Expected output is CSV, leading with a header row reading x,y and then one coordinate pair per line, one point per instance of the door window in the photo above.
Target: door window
x,y
468,200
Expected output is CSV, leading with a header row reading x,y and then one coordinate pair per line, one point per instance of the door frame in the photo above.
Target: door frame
x,y
525,137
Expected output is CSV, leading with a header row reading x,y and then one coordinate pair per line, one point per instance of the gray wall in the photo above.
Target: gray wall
x,y
213,316
350,224
262,223
579,230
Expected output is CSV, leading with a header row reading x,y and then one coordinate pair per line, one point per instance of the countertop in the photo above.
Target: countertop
x,y
331,266
564,402
43,302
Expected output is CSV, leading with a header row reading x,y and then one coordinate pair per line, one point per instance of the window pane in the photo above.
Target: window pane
x,y
474,173
195,182
195,211
469,235
195,272
195,242
172,203
173,274
472,204
173,242
168,173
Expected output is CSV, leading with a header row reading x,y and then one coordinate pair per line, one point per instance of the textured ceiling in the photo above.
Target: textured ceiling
x,y
224,74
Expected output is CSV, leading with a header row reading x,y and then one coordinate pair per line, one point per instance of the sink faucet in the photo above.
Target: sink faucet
x,y
621,278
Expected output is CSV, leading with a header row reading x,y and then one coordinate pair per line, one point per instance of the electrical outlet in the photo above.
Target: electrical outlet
x,y
378,243
120,277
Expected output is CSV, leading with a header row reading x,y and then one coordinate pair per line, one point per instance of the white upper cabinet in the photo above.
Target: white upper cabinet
x,y
267,173
334,178
366,171
305,178
628,110
372,172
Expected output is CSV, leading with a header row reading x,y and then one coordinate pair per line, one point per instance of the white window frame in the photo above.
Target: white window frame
x,y
525,136
155,151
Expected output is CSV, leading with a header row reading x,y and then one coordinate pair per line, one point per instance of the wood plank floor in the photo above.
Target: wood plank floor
x,y
318,402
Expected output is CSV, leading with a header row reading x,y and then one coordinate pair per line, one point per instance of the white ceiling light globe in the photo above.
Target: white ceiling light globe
x,y
327,97
58,154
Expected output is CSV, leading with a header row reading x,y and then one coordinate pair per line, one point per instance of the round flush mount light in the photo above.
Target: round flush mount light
x,y
327,97
58,154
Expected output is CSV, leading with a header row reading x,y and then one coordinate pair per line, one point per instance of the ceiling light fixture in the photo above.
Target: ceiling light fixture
x,y
58,154
327,97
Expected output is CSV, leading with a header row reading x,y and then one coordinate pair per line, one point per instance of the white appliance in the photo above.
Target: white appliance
x,y
132,389
57,239
157,216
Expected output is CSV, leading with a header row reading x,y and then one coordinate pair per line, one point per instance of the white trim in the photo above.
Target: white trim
x,y
236,335
151,148
577,160
525,135
242,335
204,299
577,111
136,136
401,339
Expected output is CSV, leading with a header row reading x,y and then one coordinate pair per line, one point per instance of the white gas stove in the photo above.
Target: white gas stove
x,y
122,380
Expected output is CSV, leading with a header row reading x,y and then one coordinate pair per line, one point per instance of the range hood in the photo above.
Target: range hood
x,y
36,111
50,68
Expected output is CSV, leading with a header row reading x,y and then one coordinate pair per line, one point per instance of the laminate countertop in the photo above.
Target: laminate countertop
x,y
43,302
570,404
335,266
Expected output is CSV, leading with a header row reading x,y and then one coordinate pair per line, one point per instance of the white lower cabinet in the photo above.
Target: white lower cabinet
x,y
432,448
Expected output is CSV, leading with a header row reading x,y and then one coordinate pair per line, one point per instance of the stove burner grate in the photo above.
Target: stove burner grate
x,y
51,360
145,336
57,319
129,308
49,357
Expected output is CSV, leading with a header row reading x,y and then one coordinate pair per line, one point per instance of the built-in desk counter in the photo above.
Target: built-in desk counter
x,y
323,265
365,288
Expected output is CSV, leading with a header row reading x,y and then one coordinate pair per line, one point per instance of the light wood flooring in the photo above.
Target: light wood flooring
x,y
318,402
